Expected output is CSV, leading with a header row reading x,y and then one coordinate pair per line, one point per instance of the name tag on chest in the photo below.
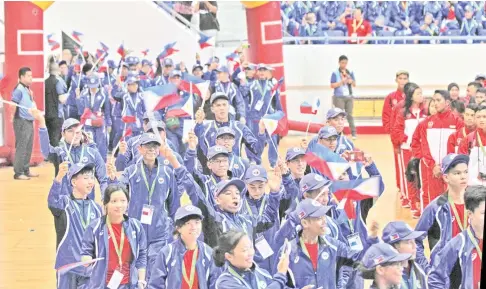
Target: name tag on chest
x,y
147,214
354,242
115,280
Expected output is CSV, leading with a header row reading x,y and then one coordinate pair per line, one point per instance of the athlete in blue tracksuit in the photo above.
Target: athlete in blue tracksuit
x,y
438,217
96,100
329,14
404,16
168,271
219,168
211,73
261,101
99,235
163,71
133,104
373,10
464,250
70,107
311,215
237,109
81,152
243,135
109,83
72,214
225,136
145,79
154,191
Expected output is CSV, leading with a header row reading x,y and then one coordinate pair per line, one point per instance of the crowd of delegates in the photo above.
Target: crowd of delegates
x,y
384,18
197,213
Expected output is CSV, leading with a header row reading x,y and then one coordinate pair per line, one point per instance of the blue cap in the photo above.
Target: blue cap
x,y
335,111
381,253
468,8
168,62
76,168
294,152
217,150
68,123
93,81
146,62
222,185
313,181
255,173
148,138
399,231
111,64
327,132
156,123
262,66
222,68
213,59
451,160
174,73
217,95
188,210
132,60
195,66
132,79
225,130
309,208
252,66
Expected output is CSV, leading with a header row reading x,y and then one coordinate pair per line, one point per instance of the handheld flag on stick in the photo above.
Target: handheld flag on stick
x,y
121,50
277,85
77,36
326,161
63,269
104,47
182,109
199,86
203,41
159,97
276,123
145,52
168,51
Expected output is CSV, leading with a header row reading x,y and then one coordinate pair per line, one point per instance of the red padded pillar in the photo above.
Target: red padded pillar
x,y
24,46
264,27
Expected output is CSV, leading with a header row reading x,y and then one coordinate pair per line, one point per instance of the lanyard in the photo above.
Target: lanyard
x,y
214,181
456,214
221,85
263,91
357,26
190,280
238,276
468,28
118,250
130,101
84,222
152,187
414,280
260,212
69,153
475,243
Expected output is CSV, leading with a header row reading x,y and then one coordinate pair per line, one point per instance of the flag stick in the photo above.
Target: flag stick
x,y
274,146
72,141
307,130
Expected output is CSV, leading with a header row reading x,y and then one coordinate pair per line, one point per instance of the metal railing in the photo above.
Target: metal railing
x,y
385,38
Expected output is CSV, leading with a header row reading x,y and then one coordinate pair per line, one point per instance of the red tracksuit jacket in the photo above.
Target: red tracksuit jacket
x,y
391,100
404,126
456,138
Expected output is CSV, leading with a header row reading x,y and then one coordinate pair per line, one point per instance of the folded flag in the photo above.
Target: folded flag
x,y
325,161
129,119
168,51
77,36
100,53
356,190
276,123
104,47
203,41
184,108
161,96
145,52
277,85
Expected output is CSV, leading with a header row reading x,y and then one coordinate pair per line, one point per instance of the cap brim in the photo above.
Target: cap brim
x,y
296,155
219,97
337,114
254,179
226,133
71,126
89,166
234,182
154,141
400,258
187,215
414,235
459,159
220,153
321,212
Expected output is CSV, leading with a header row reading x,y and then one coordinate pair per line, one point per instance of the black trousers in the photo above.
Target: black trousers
x,y
54,130
24,138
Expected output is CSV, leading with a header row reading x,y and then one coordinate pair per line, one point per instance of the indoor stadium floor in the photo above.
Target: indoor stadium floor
x,y
27,236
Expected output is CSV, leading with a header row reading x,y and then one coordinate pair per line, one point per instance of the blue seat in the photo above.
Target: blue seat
x,y
385,33
334,33
452,32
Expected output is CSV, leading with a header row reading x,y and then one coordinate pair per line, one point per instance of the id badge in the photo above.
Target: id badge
x,y
115,280
469,41
263,247
354,37
259,105
88,122
354,242
147,214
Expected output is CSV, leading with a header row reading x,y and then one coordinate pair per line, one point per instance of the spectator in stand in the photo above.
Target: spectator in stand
x,y
480,96
208,23
343,81
373,10
469,26
328,15
453,89
472,88
404,16
310,27
452,13
435,10
428,27
185,9
357,25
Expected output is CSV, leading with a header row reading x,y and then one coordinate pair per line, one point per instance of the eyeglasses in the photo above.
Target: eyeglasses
x,y
151,146
220,161
330,139
226,137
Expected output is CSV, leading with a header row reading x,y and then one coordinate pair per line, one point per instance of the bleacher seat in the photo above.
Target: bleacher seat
x,y
334,33
385,33
452,32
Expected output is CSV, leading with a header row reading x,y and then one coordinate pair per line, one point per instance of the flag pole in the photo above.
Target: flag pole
x,y
72,141
307,130
273,143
